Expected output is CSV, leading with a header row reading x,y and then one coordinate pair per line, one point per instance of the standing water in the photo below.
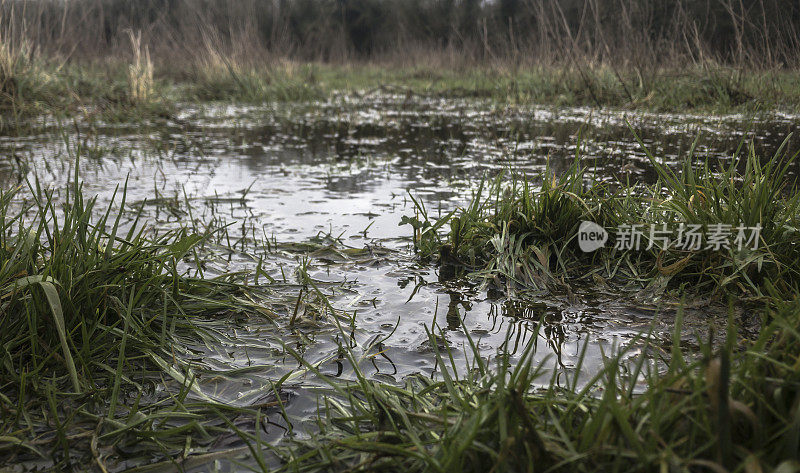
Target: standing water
x,y
316,192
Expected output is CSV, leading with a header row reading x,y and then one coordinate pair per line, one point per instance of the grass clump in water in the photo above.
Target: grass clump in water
x,y
520,236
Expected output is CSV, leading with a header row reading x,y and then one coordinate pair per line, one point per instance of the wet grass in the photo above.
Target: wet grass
x,y
95,323
734,408
518,235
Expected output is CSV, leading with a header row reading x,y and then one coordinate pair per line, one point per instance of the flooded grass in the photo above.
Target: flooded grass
x,y
344,236
516,234
728,410
247,300
94,321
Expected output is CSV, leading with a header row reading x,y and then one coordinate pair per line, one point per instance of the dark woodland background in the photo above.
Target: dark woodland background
x,y
763,34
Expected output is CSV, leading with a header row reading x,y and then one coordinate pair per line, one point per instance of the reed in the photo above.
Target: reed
x,y
627,34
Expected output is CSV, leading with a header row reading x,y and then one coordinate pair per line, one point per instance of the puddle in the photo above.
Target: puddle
x,y
323,186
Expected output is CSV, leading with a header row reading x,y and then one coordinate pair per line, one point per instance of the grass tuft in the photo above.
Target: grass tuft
x,y
516,234
140,72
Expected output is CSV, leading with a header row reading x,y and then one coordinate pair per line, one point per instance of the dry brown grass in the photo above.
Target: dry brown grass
x,y
140,72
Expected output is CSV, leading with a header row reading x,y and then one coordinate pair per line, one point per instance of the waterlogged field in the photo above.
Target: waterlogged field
x,y
306,202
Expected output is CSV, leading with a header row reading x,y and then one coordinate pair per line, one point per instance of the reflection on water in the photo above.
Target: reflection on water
x,y
329,182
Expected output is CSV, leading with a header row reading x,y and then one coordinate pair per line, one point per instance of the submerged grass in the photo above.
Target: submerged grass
x,y
519,235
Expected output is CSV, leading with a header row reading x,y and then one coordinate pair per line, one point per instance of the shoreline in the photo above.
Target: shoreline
x,y
121,93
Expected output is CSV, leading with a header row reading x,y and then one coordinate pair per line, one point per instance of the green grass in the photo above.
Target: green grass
x,y
731,408
93,319
31,85
517,235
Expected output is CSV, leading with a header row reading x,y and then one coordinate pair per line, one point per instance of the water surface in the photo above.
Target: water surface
x,y
323,187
